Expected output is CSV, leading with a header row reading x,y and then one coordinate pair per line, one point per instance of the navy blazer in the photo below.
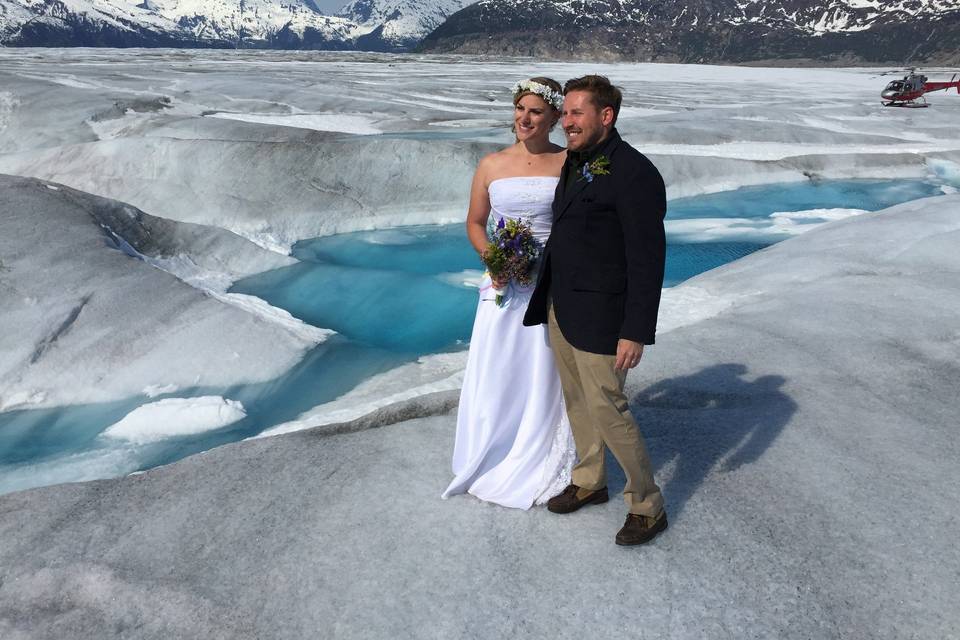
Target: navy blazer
x,y
603,263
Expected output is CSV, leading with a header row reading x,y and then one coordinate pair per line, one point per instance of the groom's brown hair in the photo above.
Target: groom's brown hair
x,y
604,94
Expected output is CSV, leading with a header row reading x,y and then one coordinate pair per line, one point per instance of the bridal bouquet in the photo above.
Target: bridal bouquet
x,y
511,254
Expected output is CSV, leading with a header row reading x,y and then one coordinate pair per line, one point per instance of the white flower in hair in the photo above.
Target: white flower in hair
x,y
551,97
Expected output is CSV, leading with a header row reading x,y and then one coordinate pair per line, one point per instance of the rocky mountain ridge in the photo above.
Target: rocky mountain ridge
x,y
713,31
845,31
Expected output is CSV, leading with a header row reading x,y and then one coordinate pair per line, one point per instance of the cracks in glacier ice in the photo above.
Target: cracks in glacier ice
x,y
122,108
338,192
64,327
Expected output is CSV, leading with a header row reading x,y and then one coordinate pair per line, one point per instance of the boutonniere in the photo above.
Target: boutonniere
x,y
599,167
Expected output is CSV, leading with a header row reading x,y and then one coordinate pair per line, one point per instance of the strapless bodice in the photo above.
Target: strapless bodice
x,y
527,198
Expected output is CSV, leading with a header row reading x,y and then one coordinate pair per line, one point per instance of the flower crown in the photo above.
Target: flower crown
x,y
551,97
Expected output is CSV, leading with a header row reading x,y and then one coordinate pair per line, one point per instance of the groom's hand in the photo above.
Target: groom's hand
x,y
628,354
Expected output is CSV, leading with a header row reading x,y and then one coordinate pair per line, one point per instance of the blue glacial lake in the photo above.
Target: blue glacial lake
x,y
401,289
393,295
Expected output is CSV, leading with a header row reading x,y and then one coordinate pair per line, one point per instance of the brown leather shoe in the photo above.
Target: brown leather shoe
x,y
640,529
574,497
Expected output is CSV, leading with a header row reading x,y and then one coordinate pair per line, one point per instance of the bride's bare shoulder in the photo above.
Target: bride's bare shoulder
x,y
503,156
496,163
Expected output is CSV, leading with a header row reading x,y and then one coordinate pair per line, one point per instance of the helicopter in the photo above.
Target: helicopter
x,y
909,91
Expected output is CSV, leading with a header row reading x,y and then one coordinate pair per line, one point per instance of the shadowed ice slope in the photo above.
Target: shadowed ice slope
x,y
85,318
801,415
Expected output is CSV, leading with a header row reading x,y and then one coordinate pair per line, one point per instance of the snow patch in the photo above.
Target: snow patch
x,y
154,390
265,239
63,80
184,268
216,283
769,151
429,374
469,278
79,467
176,417
262,308
790,217
22,399
771,229
945,170
337,122
8,103
388,238
468,123
689,304
731,229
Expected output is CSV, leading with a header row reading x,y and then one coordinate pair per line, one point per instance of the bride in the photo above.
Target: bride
x,y
513,443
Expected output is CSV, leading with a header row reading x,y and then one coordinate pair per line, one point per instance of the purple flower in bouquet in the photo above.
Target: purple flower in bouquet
x,y
512,254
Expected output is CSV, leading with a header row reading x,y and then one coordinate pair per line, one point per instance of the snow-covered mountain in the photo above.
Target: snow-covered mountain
x,y
707,31
396,25
392,25
846,31
256,22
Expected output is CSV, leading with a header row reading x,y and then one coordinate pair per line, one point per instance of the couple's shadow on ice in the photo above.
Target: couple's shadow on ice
x,y
693,423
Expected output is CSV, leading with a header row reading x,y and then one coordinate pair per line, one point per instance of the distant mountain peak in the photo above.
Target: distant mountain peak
x,y
382,25
398,24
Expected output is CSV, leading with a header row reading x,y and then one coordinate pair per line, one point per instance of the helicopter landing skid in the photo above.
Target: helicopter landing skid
x,y
910,104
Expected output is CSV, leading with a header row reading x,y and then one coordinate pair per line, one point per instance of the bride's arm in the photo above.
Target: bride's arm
x,y
479,209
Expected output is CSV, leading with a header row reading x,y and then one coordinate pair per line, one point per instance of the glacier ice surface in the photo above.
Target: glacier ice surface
x,y
794,425
799,405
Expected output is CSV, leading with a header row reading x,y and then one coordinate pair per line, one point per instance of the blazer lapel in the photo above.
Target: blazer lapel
x,y
569,195
557,204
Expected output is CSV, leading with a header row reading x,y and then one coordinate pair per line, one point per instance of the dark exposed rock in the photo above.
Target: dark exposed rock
x,y
711,31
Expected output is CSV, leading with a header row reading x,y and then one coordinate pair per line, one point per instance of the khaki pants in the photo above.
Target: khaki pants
x,y
600,417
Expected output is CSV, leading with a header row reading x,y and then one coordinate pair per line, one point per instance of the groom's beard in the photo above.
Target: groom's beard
x,y
582,142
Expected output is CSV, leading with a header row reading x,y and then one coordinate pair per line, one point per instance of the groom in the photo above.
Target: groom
x,y
599,292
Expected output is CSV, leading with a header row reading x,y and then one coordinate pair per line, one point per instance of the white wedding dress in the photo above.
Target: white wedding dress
x,y
513,444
